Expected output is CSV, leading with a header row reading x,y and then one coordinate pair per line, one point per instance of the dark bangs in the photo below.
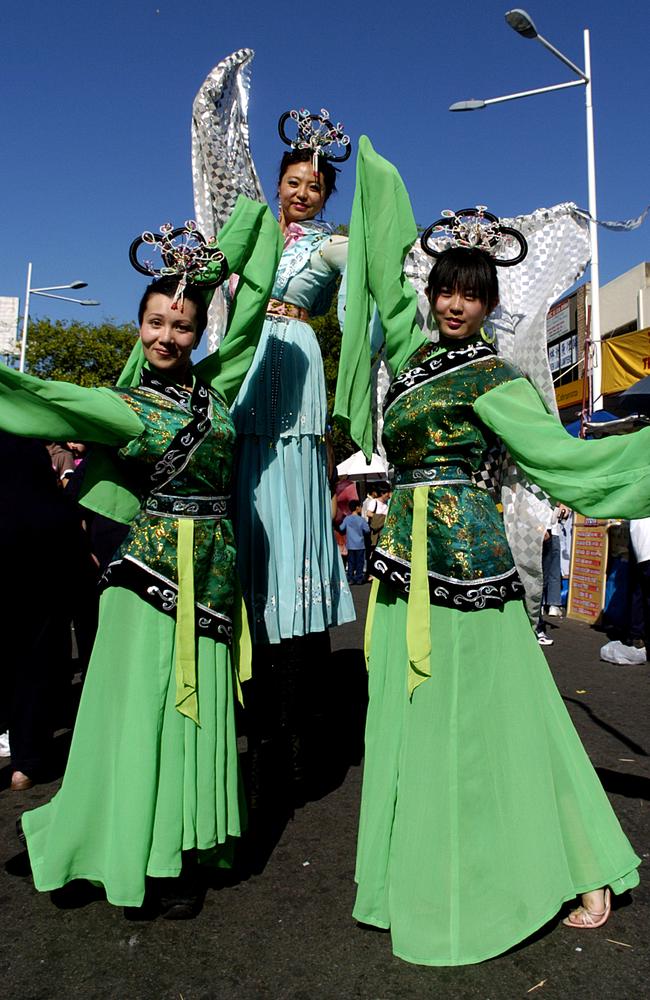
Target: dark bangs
x,y
167,286
466,271
325,168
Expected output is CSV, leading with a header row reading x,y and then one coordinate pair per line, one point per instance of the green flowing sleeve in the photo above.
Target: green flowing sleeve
x,y
62,411
382,231
605,478
252,241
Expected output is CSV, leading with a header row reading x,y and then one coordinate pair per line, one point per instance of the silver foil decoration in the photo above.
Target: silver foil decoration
x,y
622,226
558,253
222,165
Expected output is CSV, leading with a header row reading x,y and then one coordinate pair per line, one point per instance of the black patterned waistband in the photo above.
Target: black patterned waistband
x,y
195,507
442,474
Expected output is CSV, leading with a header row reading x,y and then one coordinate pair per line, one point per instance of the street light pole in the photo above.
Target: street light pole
x,y
46,293
522,23
596,400
23,343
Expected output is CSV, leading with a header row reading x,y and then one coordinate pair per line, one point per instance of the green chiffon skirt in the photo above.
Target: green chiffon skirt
x,y
143,783
481,813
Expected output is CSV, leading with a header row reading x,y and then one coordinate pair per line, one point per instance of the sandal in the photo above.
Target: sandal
x,y
585,919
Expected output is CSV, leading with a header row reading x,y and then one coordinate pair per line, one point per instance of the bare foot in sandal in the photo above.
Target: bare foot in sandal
x,y
593,912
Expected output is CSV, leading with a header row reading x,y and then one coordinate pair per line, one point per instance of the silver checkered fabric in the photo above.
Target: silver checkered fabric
x,y
222,165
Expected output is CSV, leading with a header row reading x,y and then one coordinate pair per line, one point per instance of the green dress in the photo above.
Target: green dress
x,y
153,766
481,813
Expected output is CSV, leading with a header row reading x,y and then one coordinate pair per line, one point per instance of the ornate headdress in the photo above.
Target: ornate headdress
x,y
475,228
185,253
317,133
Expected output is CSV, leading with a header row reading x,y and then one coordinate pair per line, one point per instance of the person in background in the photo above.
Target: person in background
x,y
369,502
552,574
42,550
355,527
62,458
345,492
640,580
552,564
376,514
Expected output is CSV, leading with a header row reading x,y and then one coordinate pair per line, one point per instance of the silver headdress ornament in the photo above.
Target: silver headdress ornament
x,y
317,133
185,253
475,228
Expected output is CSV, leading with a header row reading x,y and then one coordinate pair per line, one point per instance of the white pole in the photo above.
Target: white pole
x,y
23,344
596,399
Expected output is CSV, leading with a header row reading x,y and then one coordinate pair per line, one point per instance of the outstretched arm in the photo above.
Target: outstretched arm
x,y
606,478
252,243
62,411
382,230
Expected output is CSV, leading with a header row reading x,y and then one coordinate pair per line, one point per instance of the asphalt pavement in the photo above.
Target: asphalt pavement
x,y
281,927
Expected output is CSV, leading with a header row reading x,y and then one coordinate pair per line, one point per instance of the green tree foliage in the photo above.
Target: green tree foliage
x,y
328,333
78,352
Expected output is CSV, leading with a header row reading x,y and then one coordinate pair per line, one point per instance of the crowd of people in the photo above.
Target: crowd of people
x,y
481,814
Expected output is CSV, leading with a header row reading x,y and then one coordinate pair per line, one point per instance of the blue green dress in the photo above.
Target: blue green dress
x,y
289,564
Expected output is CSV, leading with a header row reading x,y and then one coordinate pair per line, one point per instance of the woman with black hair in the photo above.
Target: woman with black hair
x,y
152,777
291,570
481,813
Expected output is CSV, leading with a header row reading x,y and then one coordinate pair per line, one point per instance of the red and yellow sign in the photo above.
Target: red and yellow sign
x,y
588,569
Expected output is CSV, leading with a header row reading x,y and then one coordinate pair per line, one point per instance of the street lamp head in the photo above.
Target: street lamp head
x,y
78,284
521,22
467,106
89,302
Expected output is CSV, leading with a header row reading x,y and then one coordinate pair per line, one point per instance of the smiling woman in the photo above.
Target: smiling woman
x,y
462,290
301,193
481,814
153,776
169,334
291,571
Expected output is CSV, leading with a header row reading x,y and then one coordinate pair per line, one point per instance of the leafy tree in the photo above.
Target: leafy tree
x,y
327,330
78,352
328,333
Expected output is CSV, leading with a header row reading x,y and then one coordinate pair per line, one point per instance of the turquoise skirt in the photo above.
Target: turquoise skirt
x,y
481,813
289,563
143,783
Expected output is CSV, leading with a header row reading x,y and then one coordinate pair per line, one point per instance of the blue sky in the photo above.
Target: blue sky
x,y
97,97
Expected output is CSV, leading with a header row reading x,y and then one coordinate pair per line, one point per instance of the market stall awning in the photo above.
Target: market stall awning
x,y
356,467
626,359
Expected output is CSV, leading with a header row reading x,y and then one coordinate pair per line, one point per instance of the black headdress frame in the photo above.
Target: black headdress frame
x,y
185,254
474,228
316,133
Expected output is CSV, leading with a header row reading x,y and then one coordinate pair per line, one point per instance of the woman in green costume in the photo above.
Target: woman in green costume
x,y
481,813
153,768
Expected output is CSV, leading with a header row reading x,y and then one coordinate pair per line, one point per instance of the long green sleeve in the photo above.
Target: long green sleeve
x,y
252,242
382,231
605,478
62,411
